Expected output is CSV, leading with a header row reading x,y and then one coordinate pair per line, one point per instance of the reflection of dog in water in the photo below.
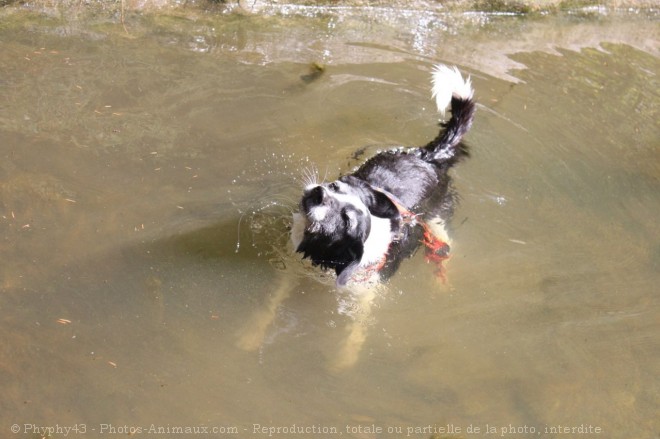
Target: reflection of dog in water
x,y
361,226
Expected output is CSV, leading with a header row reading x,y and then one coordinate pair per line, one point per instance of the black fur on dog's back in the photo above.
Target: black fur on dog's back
x,y
414,175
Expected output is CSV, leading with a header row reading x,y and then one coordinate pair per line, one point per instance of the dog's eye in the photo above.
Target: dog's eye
x,y
346,218
350,218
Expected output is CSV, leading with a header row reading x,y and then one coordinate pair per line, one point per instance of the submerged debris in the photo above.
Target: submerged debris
x,y
316,70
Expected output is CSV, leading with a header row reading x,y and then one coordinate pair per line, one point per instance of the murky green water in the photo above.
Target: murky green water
x,y
146,181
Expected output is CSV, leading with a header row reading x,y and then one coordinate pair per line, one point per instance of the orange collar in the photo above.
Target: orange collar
x,y
407,215
437,250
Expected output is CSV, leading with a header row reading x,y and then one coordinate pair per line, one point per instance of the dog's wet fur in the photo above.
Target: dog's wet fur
x,y
374,216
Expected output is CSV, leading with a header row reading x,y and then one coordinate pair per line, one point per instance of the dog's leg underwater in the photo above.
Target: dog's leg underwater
x,y
252,336
363,297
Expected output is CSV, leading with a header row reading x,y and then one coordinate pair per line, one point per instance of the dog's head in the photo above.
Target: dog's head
x,y
337,221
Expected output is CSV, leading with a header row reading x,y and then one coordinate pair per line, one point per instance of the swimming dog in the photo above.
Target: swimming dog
x,y
372,219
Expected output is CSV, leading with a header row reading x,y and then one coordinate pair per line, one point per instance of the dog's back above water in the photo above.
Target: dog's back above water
x,y
369,221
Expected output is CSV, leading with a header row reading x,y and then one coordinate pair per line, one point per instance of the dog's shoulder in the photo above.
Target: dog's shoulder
x,y
378,203
401,173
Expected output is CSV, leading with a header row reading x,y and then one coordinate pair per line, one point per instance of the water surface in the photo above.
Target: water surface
x,y
146,184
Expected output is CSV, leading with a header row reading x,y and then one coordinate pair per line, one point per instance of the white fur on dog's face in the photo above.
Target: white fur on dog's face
x,y
335,196
331,209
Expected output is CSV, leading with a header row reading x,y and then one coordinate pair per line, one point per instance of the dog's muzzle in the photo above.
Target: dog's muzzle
x,y
312,198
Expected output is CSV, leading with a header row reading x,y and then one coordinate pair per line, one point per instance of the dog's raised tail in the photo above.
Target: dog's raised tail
x,y
450,89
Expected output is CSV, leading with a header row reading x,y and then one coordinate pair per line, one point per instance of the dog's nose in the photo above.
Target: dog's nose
x,y
312,198
315,195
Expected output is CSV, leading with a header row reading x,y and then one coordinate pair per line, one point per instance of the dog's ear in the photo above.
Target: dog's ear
x,y
302,245
352,254
377,202
343,256
382,206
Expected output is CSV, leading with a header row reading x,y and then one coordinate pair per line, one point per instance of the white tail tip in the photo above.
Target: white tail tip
x,y
448,82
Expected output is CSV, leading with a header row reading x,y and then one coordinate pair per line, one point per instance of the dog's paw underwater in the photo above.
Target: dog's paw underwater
x,y
398,200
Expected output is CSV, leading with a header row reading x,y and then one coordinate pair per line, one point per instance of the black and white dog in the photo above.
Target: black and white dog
x,y
380,214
